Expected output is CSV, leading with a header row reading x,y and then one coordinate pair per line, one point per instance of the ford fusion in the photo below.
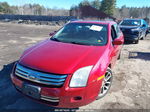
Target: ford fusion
x,y
73,67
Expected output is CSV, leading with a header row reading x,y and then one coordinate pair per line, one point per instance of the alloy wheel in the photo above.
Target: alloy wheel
x,y
106,84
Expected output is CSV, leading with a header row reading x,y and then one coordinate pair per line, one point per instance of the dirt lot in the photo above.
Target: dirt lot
x,y
131,83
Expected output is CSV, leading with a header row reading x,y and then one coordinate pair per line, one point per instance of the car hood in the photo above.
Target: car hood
x,y
60,58
128,27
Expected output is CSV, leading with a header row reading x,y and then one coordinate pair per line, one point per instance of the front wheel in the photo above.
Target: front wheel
x,y
119,57
143,38
106,84
137,41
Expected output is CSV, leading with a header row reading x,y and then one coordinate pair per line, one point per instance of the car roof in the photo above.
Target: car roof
x,y
93,21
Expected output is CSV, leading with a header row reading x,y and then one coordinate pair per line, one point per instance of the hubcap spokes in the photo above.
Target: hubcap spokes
x,y
106,84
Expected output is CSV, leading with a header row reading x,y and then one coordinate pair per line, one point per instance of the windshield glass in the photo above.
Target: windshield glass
x,y
131,22
83,34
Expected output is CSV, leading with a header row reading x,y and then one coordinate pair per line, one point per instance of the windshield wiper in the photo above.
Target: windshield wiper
x,y
78,43
55,39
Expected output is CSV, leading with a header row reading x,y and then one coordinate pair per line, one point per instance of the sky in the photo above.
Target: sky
x,y
66,4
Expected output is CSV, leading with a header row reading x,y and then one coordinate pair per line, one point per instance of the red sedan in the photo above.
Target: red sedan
x,y
73,67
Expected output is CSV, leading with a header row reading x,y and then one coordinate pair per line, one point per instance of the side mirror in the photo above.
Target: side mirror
x,y
53,33
118,41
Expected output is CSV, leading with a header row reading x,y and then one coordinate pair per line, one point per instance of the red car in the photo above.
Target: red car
x,y
73,67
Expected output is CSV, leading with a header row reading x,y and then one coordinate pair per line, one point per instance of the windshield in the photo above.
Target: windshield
x,y
83,34
131,22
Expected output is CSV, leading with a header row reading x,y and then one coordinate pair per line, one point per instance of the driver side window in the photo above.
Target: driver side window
x,y
113,33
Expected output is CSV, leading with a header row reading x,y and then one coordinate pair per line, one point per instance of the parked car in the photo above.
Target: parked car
x,y
134,29
148,31
73,67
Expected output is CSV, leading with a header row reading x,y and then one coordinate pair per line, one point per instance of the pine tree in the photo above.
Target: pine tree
x,y
96,4
84,3
108,6
5,8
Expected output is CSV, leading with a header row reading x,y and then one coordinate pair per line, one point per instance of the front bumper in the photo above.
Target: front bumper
x,y
131,37
64,97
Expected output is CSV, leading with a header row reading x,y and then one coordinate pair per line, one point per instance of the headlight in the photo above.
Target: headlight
x,y
80,77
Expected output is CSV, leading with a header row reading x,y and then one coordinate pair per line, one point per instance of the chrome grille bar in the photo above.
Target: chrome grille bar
x,y
51,99
39,77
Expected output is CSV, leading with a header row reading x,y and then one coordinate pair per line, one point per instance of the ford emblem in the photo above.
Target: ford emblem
x,y
32,76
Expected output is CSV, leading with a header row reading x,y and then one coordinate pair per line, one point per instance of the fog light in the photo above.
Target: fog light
x,y
77,98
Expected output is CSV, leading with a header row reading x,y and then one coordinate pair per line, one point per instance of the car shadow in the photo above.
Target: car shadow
x,y
128,42
139,55
12,100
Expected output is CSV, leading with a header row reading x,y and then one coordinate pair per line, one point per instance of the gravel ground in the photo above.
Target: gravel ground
x,y
131,83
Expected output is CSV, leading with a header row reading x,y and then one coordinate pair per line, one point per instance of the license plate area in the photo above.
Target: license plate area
x,y
32,91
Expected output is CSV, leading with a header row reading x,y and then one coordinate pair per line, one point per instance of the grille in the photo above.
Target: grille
x,y
39,77
126,30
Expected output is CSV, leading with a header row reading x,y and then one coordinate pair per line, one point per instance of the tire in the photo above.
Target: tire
x,y
143,38
136,41
146,34
106,84
119,57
